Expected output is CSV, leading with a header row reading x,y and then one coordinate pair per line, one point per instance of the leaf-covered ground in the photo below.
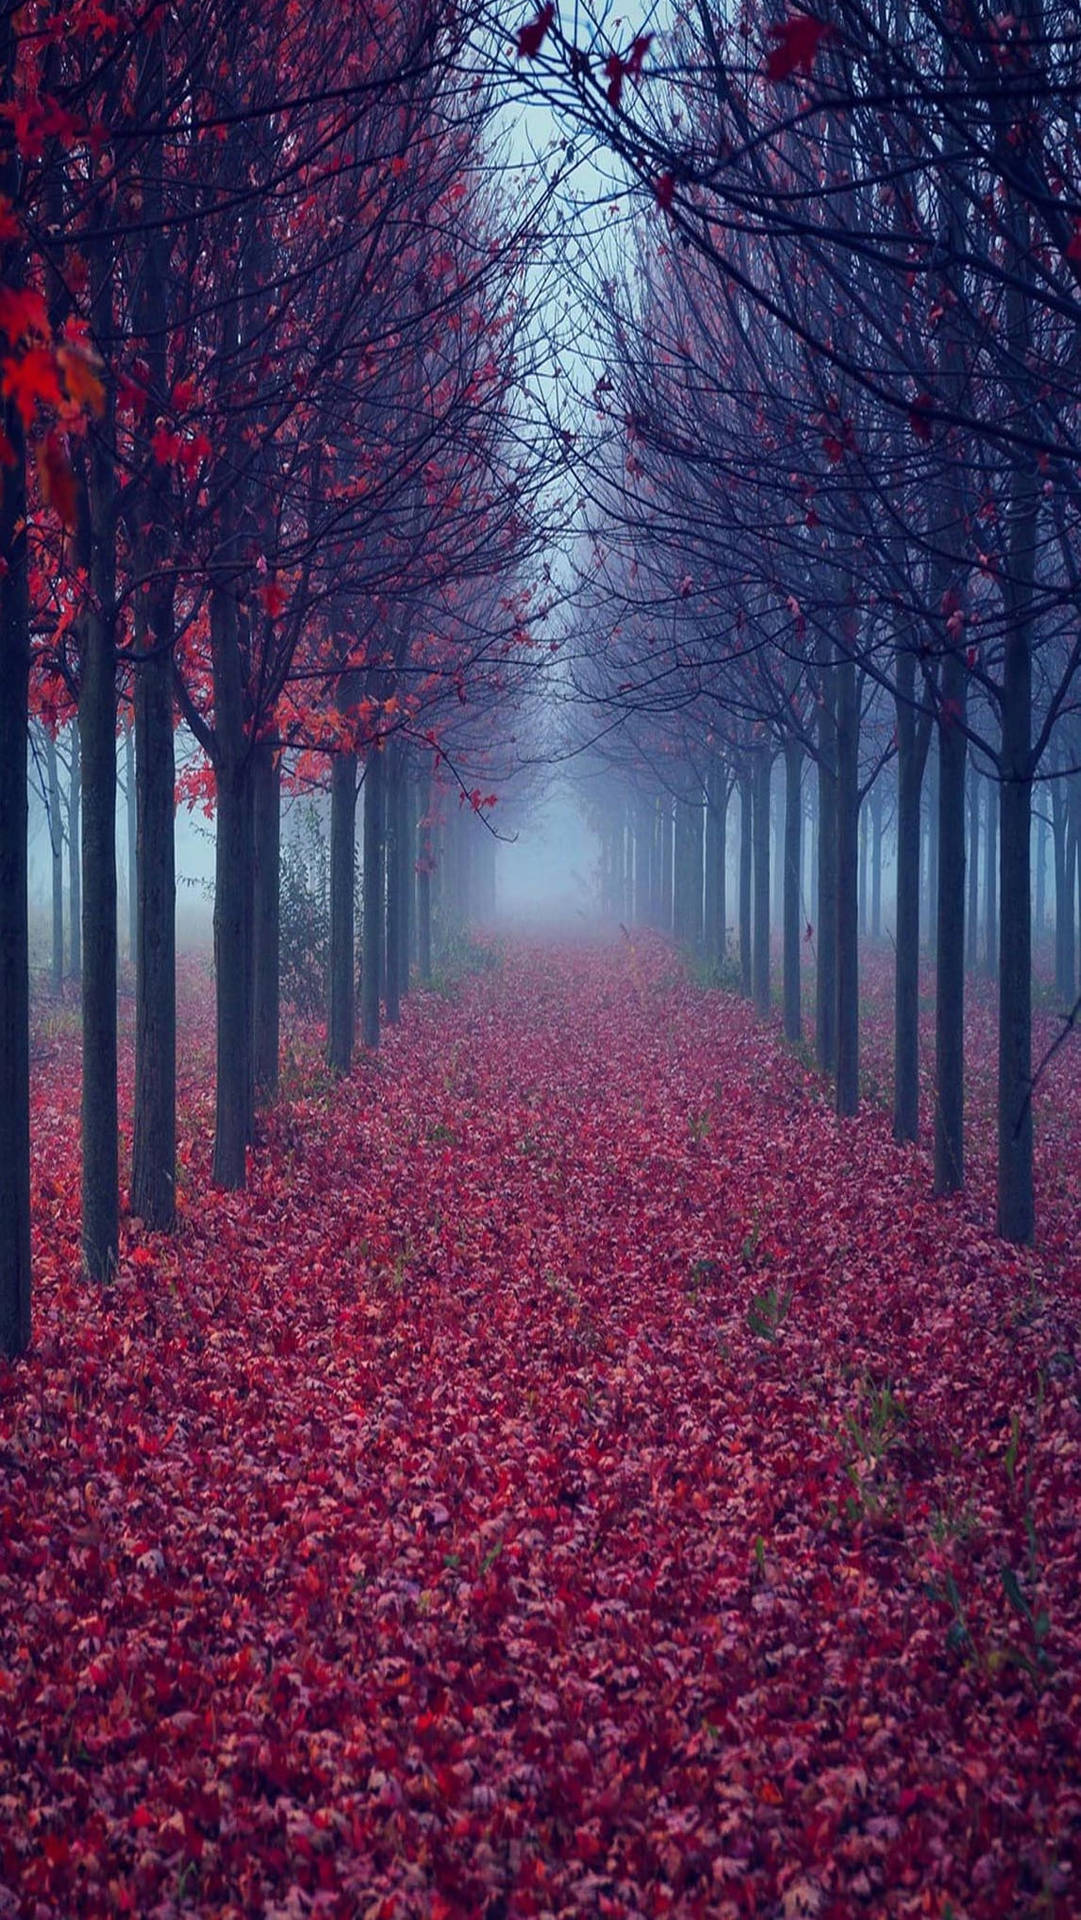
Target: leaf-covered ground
x,y
580,1476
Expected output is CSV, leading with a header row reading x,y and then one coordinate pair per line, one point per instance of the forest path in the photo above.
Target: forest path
x,y
577,1476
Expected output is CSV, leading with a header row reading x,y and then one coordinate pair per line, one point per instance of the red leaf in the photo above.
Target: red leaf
x,y
614,71
663,190
531,38
57,479
22,312
32,381
796,43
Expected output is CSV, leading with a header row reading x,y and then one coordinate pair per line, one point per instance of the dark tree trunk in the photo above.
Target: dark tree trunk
x,y
56,849
877,808
793,848
132,823
991,872
374,890
913,734
424,882
1064,897
97,729
950,943
666,920
933,838
75,857
266,918
864,868
153,1162
761,878
826,973
341,1012
848,827
234,1110
393,786
715,901
972,925
14,941
746,869
408,875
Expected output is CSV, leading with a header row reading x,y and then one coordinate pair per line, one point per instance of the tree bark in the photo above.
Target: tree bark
x,y
913,735
132,825
56,849
793,848
392,790
153,1162
826,972
424,882
341,1012
848,824
761,878
374,891
746,869
97,730
75,857
266,917
232,964
950,943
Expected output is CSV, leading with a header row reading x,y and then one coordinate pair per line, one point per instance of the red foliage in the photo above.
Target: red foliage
x,y
532,36
796,43
580,1475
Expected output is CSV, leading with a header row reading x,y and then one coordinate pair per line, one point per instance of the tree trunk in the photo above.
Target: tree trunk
x,y
848,827
746,868
75,857
715,902
56,849
14,941
131,821
991,872
950,943
232,965
341,1011
793,846
826,973
395,855
153,1162
424,881
913,735
97,730
761,878
877,809
667,912
374,889
266,918
972,925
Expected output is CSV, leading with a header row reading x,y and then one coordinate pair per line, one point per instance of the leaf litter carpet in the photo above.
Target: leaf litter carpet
x,y
579,1476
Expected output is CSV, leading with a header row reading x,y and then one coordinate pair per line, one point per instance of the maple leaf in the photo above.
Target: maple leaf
x,y
796,43
22,313
531,37
57,479
32,381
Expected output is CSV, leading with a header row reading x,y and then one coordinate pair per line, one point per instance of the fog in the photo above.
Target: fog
x,y
548,876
